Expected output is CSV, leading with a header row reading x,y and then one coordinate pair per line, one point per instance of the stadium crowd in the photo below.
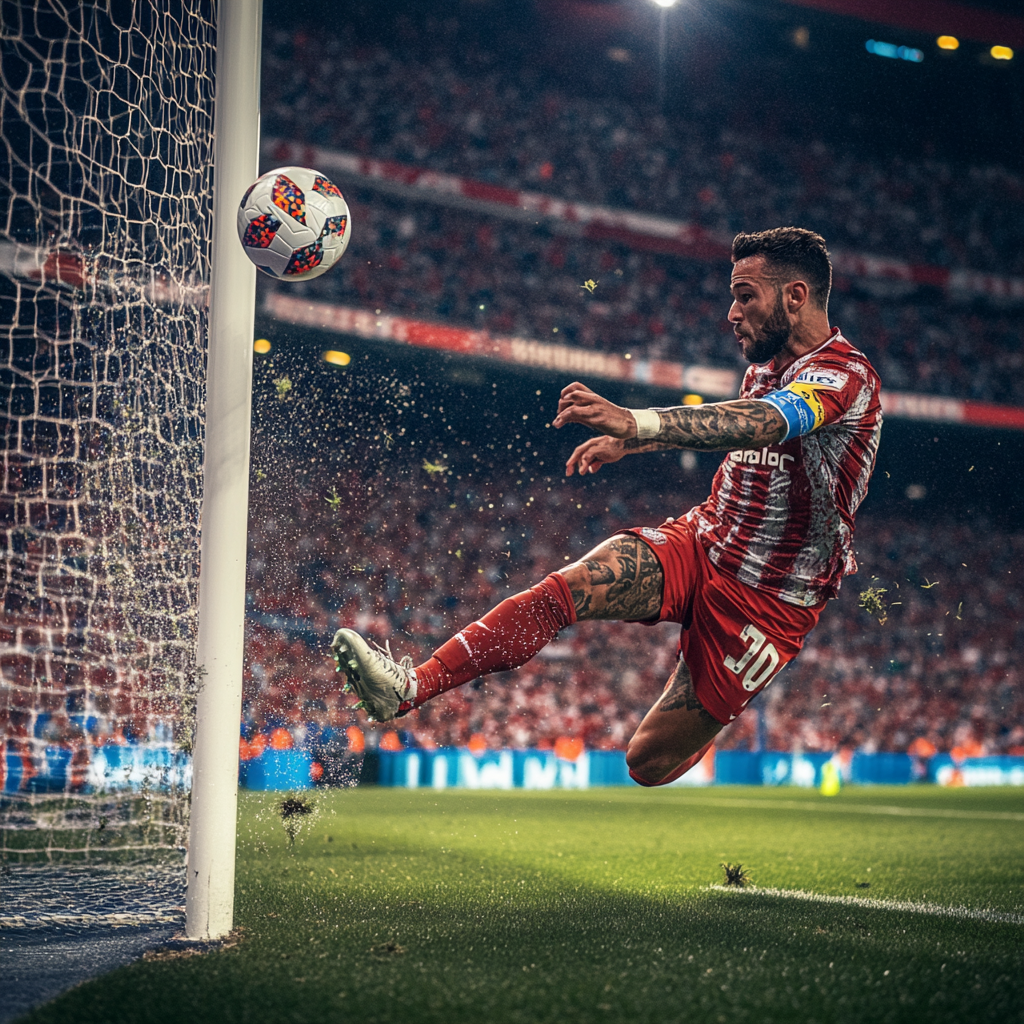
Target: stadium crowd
x,y
506,122
437,263
934,670
481,120
407,558
412,562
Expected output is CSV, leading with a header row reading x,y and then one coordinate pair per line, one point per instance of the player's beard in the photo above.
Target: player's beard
x,y
770,340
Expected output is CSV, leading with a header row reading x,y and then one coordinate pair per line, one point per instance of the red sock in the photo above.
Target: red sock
x,y
506,637
681,770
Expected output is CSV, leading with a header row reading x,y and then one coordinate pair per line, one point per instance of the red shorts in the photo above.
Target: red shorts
x,y
735,639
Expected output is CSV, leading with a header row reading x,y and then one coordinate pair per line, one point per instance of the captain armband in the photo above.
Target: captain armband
x,y
648,423
800,406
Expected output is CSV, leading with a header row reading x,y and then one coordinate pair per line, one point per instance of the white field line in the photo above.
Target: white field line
x,y
904,906
843,808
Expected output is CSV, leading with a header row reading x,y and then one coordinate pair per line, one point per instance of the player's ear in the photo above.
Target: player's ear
x,y
796,294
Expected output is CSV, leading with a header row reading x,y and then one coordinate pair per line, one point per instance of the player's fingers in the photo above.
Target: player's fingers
x,y
575,395
574,386
576,459
576,409
590,456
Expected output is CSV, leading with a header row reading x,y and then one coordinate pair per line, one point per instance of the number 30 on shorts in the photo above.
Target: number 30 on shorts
x,y
758,663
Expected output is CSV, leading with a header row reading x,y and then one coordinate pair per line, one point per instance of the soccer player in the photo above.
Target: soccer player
x,y
747,573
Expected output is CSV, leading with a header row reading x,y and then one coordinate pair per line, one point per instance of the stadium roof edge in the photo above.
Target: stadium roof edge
x,y
940,17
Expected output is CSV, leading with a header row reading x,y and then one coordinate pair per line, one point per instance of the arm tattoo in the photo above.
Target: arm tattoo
x,y
679,695
719,426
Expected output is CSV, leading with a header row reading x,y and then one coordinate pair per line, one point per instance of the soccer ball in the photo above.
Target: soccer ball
x,y
294,223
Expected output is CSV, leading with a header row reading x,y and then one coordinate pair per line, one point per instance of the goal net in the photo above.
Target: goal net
x,y
106,117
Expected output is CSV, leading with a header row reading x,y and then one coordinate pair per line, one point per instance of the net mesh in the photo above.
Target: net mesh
x,y
105,215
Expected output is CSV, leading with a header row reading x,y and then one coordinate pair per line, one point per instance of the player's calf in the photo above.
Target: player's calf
x,y
674,735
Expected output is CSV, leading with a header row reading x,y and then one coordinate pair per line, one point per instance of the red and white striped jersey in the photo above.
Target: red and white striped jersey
x,y
780,518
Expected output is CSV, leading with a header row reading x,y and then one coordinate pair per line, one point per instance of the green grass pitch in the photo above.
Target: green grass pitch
x,y
599,906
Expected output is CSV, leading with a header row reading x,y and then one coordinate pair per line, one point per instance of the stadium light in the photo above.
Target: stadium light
x,y
1001,53
664,6
893,51
948,43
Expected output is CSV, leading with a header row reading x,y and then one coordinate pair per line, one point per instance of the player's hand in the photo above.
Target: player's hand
x,y
590,456
579,404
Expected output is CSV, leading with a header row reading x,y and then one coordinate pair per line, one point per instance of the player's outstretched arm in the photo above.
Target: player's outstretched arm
x,y
720,426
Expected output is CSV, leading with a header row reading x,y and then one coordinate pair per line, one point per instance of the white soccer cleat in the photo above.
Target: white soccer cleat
x,y
381,683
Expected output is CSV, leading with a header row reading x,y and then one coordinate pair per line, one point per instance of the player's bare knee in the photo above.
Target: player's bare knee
x,y
643,756
648,766
576,576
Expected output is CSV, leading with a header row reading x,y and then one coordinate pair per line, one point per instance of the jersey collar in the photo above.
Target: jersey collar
x,y
795,366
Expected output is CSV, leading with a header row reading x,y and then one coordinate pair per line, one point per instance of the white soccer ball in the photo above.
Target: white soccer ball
x,y
294,223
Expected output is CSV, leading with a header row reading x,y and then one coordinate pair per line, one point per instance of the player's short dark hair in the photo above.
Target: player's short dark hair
x,y
792,254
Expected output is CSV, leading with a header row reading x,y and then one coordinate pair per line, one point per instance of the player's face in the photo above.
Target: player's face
x,y
757,314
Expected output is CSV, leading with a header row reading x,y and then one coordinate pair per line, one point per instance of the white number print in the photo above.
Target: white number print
x,y
759,669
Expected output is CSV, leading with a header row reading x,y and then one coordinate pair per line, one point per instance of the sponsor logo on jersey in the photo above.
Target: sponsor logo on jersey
x,y
654,536
831,380
763,457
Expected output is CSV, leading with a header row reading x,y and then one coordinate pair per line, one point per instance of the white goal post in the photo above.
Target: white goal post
x,y
212,825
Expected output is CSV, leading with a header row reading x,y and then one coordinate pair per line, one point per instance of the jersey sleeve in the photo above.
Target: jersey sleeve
x,y
816,396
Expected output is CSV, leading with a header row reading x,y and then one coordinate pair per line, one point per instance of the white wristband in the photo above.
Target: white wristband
x,y
648,423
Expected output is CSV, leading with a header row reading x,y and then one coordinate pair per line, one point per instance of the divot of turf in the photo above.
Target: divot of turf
x,y
735,875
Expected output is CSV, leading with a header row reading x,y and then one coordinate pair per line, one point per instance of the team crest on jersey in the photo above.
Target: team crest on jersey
x,y
830,380
654,536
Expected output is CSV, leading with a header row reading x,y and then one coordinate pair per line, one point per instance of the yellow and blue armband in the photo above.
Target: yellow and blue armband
x,y
801,408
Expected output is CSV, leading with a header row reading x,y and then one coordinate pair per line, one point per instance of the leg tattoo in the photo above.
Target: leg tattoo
x,y
679,694
622,579
599,572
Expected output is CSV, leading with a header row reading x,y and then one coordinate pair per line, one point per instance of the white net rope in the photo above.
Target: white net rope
x,y
106,118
